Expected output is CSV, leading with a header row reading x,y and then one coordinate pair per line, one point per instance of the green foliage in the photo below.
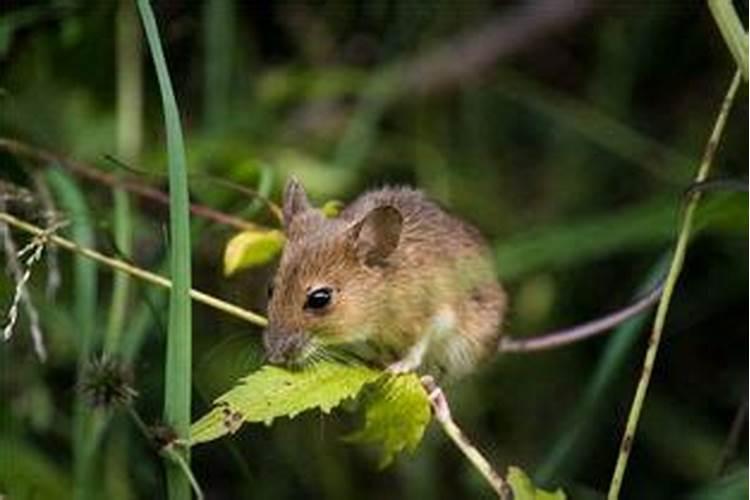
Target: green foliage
x,y
252,248
256,247
731,486
524,489
396,407
178,369
332,208
273,392
396,414
27,473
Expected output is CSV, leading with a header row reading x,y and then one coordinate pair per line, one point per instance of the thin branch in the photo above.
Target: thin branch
x,y
272,207
92,173
470,54
442,413
671,281
137,272
730,445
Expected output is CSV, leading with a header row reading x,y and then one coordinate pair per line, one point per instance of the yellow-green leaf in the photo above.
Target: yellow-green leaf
x,y
524,489
275,392
332,208
251,248
396,413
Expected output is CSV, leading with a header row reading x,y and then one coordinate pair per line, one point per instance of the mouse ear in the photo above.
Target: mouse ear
x,y
377,235
295,200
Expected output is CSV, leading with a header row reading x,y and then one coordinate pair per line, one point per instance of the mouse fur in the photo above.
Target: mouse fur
x,y
393,279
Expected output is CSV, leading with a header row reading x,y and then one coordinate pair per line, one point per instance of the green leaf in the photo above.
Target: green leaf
x,y
273,392
524,489
332,208
396,415
252,248
178,369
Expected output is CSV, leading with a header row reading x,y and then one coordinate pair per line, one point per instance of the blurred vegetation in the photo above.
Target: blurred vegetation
x,y
566,131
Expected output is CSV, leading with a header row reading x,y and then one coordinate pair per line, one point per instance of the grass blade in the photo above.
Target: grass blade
x,y
129,139
73,204
177,384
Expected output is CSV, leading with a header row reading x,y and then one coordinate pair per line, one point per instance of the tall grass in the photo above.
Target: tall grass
x,y
72,201
177,379
129,138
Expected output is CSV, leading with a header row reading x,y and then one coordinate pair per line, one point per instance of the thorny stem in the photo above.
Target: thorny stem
x,y
663,308
442,413
138,272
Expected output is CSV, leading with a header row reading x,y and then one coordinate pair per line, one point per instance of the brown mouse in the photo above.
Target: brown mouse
x,y
393,279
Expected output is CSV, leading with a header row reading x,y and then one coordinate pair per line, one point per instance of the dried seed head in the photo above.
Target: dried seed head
x,y
107,383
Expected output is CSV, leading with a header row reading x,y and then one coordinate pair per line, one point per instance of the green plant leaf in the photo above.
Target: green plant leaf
x,y
332,208
252,248
524,489
273,392
396,414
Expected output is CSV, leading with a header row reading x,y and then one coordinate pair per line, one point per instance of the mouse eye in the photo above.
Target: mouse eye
x,y
269,291
318,298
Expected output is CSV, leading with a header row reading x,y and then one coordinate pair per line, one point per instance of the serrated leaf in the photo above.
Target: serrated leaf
x,y
273,392
524,489
396,413
252,248
332,208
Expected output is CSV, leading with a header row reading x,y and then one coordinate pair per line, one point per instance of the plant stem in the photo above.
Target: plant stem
x,y
731,29
663,308
178,370
142,274
442,413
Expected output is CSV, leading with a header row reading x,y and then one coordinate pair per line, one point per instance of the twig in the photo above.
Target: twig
x,y
661,312
142,274
272,207
730,445
470,54
442,413
89,172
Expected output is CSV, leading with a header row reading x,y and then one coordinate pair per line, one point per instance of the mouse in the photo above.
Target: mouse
x,y
393,280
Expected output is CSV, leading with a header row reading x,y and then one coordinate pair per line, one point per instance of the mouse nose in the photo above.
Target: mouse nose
x,y
282,348
276,357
